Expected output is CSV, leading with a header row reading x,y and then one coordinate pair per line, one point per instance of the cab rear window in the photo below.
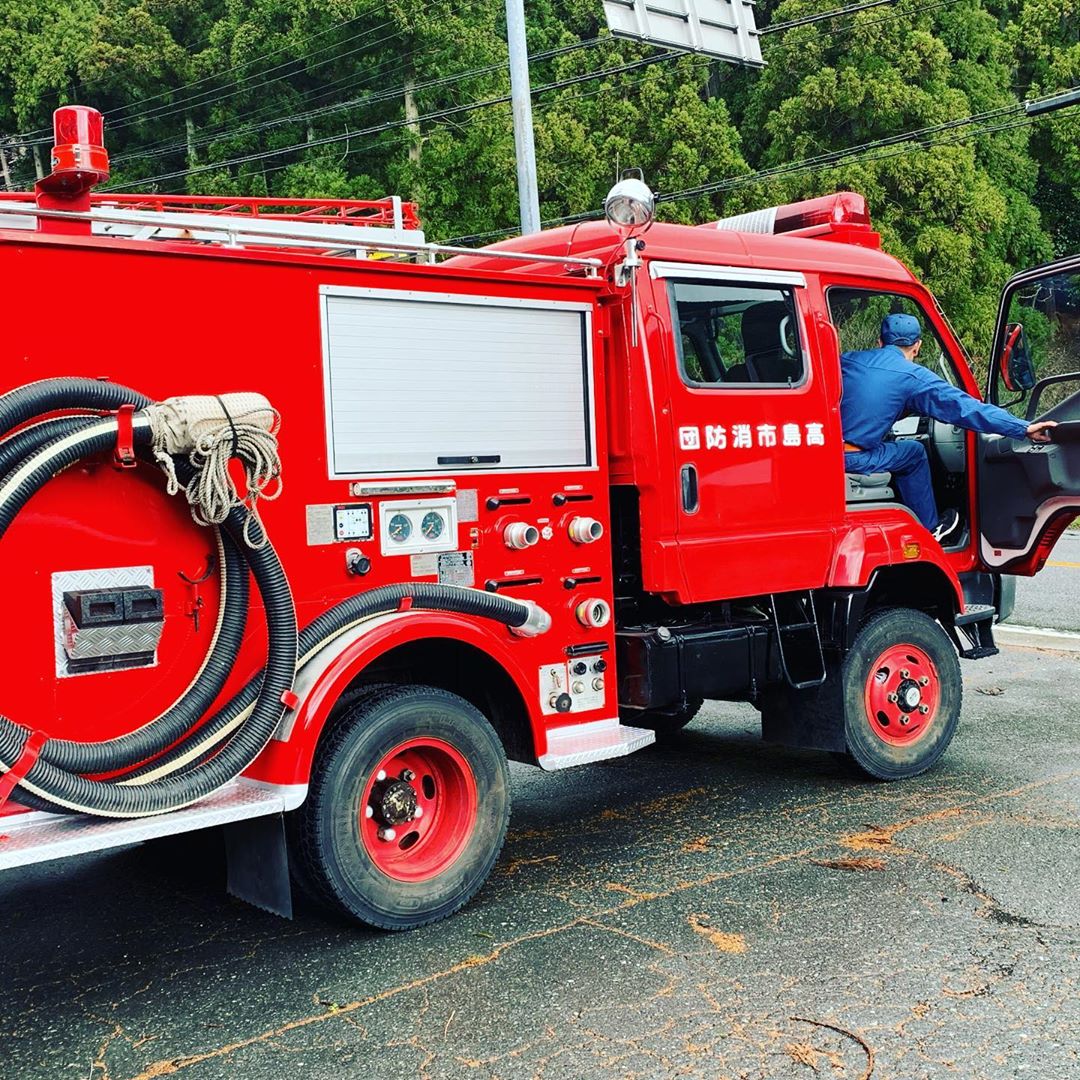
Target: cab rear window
x,y
739,336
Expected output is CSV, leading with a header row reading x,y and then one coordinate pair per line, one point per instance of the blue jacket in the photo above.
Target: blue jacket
x,y
882,385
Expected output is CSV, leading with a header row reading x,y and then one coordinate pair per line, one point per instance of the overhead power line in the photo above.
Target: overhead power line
x,y
352,103
389,125
823,15
992,121
216,75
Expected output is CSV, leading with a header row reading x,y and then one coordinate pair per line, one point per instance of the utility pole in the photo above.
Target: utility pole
x,y
521,103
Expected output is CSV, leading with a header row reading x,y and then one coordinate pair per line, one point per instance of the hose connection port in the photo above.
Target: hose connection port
x,y
520,535
593,613
585,530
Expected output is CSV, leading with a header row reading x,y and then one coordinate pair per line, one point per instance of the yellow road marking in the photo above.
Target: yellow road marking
x,y
1070,565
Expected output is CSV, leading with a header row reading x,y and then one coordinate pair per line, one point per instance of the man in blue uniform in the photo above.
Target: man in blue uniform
x,y
880,386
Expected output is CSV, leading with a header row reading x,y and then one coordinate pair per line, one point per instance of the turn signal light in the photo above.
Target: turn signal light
x,y
910,549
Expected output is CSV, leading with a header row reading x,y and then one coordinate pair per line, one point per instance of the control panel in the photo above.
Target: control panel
x,y
577,686
352,522
418,526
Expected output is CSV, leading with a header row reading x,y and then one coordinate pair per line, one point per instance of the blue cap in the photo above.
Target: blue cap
x,y
900,329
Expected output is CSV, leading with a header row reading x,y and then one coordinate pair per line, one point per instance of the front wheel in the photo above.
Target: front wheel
x,y
407,809
901,688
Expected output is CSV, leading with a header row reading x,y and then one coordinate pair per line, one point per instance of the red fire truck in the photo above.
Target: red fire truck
x,y
537,502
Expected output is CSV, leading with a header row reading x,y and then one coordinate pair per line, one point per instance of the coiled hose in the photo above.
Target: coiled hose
x,y
202,755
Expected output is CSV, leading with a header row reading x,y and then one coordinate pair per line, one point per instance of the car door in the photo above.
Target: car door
x,y
1028,492
755,429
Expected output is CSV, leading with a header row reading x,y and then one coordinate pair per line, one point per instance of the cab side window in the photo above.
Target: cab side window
x,y
857,315
736,335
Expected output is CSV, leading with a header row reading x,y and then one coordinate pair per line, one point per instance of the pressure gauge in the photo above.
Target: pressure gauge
x,y
432,526
399,528
418,526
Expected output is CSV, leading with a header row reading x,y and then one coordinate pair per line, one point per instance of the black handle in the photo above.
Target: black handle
x,y
689,485
1067,431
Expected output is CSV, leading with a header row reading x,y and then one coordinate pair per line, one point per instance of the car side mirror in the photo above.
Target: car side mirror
x,y
1017,369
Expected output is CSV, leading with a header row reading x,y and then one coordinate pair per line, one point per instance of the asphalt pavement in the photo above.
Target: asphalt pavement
x,y
713,908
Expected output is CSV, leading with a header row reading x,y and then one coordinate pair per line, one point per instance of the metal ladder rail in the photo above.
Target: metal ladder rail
x,y
805,631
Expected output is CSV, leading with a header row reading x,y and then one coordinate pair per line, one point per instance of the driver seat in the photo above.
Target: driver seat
x,y
869,487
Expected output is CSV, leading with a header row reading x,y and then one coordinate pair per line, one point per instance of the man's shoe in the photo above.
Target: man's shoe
x,y
947,527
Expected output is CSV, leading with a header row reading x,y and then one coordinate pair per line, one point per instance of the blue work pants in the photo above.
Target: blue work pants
x,y
910,468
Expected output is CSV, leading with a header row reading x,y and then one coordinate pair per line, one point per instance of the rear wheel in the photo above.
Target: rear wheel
x,y
407,810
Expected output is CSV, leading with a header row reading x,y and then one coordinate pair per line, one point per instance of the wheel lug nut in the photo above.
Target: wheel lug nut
x,y
418,812
904,673
369,812
407,775
381,774
893,698
387,834
905,720
924,709
925,680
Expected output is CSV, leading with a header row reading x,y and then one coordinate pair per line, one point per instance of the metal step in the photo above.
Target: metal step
x,y
976,627
40,837
578,744
975,613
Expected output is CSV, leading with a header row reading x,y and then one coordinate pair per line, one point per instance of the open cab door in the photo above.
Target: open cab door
x,y
1028,492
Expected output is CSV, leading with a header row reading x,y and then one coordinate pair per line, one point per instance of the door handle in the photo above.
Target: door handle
x,y
689,486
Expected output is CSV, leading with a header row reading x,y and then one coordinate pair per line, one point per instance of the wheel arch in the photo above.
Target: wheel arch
x,y
923,586
442,650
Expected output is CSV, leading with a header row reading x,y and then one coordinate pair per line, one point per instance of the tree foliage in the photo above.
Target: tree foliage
x,y
348,98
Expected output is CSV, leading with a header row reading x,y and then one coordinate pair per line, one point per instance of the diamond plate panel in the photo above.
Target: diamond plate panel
x,y
40,837
73,580
578,744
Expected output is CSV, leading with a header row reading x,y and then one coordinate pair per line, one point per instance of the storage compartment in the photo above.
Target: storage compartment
x,y
435,383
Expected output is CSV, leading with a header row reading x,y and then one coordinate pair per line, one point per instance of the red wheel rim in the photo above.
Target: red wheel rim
x,y
433,777
903,693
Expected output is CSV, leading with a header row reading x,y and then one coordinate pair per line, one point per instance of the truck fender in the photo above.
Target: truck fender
x,y
865,552
329,672
887,565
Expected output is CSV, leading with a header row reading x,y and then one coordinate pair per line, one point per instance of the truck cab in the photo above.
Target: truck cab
x,y
748,563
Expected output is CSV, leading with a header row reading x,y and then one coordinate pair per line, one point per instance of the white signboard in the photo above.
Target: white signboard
x,y
721,28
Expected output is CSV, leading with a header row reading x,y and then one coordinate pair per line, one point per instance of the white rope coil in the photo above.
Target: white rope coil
x,y
212,431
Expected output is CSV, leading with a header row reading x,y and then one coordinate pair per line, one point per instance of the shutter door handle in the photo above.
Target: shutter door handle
x,y
689,485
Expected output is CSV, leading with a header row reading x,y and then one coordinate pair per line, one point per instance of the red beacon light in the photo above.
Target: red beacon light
x,y
79,159
842,216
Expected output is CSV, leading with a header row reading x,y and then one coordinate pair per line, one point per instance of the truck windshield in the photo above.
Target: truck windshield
x,y
736,335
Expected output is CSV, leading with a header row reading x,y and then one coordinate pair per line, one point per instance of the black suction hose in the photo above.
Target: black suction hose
x,y
207,755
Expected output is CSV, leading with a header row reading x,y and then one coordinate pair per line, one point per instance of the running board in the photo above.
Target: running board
x,y
578,744
40,837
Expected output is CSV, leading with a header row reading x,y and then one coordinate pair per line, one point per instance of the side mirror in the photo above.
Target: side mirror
x,y
1017,369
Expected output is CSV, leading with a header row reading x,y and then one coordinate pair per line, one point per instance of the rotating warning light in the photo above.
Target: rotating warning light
x,y
79,158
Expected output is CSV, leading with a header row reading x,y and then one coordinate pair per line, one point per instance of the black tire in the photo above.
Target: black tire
x,y
880,632
843,695
326,837
666,722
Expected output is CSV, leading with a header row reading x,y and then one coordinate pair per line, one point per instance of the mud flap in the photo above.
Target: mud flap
x,y
807,719
258,863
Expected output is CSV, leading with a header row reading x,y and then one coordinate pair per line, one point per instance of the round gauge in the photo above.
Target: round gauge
x,y
399,527
432,525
